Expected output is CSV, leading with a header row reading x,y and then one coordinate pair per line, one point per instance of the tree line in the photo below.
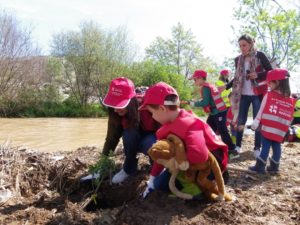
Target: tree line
x,y
76,74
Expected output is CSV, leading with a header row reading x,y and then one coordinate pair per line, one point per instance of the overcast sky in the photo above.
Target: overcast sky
x,y
209,20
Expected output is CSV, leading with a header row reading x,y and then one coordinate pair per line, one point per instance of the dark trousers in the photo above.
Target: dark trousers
x,y
296,120
135,141
218,123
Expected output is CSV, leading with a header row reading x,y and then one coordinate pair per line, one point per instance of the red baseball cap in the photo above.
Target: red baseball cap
x,y
121,91
224,72
198,73
157,94
277,74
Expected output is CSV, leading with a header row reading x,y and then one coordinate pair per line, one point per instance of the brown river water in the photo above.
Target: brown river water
x,y
53,134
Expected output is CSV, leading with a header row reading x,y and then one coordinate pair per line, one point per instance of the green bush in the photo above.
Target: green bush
x,y
51,109
67,110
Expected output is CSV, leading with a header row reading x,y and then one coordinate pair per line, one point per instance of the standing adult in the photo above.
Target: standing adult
x,y
249,86
136,128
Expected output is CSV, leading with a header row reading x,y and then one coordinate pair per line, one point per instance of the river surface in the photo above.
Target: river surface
x,y
57,134
53,134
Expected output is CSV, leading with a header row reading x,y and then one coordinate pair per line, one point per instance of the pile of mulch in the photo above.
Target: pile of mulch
x,y
45,188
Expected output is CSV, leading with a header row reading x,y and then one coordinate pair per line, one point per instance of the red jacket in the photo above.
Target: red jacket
x,y
277,116
262,87
197,136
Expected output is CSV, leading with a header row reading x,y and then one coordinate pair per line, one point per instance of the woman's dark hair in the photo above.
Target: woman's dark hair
x,y
132,116
284,86
248,38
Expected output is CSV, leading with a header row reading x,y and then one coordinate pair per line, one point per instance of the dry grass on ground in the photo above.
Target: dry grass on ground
x,y
43,188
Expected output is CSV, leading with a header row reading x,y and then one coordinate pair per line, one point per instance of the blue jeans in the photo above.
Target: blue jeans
x,y
135,141
161,182
266,145
245,102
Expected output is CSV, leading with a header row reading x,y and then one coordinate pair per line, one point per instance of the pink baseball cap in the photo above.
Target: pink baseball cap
x,y
199,73
121,91
224,72
277,74
157,93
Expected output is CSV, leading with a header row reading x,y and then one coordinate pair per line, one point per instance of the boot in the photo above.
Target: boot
x,y
259,167
274,166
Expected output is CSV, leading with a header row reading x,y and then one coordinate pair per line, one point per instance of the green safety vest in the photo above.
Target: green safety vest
x,y
297,107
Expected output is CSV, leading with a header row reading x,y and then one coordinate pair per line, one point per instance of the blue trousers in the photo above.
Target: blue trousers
x,y
161,182
135,141
245,102
266,145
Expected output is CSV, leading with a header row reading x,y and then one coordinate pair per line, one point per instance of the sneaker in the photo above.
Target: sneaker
x,y
238,149
256,152
119,177
233,154
90,177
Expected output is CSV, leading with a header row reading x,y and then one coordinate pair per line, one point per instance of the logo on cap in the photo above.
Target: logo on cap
x,y
120,92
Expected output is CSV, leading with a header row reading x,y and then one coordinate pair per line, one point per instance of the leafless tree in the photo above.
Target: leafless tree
x,y
16,55
20,67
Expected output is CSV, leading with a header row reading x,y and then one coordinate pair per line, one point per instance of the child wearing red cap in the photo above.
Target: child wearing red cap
x,y
213,104
274,117
163,102
137,128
